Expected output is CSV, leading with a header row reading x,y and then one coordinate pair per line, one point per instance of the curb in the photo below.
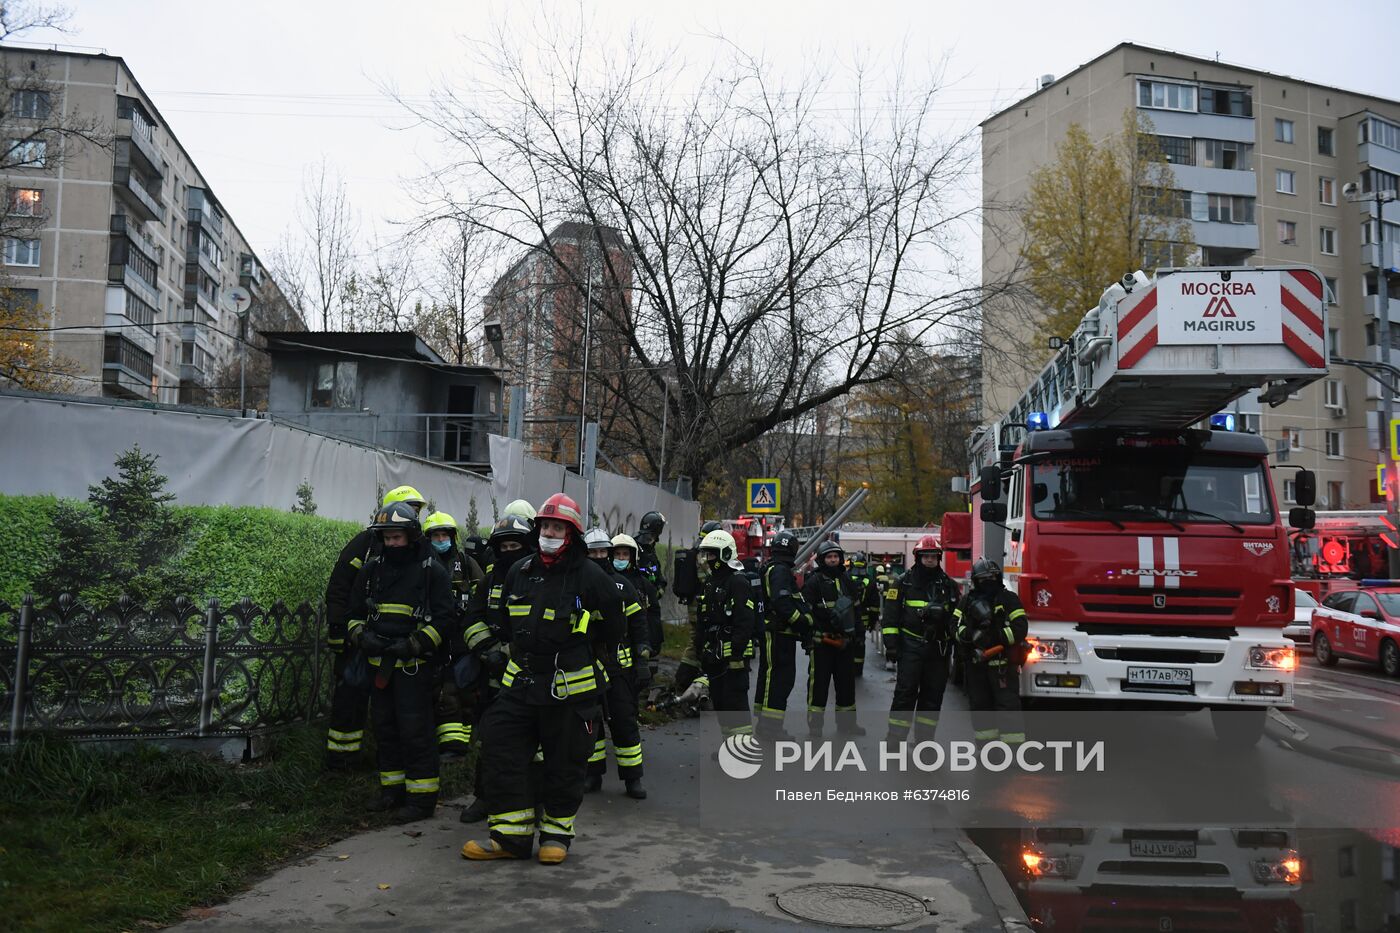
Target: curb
x,y
1013,918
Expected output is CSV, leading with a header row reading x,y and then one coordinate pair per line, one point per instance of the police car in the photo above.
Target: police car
x,y
1360,625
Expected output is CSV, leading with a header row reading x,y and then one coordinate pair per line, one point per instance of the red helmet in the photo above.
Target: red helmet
x,y
928,543
561,508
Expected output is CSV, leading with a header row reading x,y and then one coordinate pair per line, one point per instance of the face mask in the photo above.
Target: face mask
x,y
397,555
442,547
621,565
552,545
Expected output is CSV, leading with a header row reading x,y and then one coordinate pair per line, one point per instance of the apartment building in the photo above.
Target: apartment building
x,y
131,250
1260,161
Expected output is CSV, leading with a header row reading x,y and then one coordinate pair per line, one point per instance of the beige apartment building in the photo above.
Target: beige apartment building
x,y
1260,161
131,249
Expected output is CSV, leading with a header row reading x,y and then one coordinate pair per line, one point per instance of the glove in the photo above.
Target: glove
x,y
643,674
404,649
372,644
494,660
985,638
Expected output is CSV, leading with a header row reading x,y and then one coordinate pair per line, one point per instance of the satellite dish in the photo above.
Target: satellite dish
x,y
238,300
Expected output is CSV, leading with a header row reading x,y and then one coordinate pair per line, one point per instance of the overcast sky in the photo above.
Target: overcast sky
x,y
257,90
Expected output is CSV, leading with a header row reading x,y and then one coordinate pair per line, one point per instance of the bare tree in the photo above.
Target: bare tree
x,y
779,252
328,228
450,319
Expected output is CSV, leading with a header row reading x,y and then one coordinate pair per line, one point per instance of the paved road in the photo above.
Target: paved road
x,y
652,865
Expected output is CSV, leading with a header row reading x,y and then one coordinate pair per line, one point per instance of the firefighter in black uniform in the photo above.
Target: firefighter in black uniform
x,y
350,704
835,600
648,536
869,611
724,629
991,625
688,670
454,727
787,622
401,614
564,622
624,560
918,634
620,709
512,539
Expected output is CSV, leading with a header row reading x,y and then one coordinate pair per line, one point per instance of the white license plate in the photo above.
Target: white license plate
x,y
1160,676
1162,848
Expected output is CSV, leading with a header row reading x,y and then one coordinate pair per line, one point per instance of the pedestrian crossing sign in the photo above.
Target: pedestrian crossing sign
x,y
764,496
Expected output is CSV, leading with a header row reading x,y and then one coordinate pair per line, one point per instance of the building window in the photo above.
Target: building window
x,y
1285,181
1373,179
334,386
26,202
1290,490
1227,101
1326,190
21,252
1287,232
1175,149
1334,444
1163,96
1324,141
122,352
1158,254
1332,388
25,153
1370,232
1283,130
1327,240
1378,131
1295,438
1249,424
31,105
1334,342
1331,290
1230,209
1346,862
1223,153
1334,495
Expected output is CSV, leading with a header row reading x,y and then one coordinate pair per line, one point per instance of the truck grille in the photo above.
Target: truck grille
x,y
1184,915
1134,600
1161,655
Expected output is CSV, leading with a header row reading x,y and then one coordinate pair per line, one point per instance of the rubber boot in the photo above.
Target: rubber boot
x,y
814,725
340,761
386,801
846,724
552,853
593,783
476,812
485,852
635,790
413,812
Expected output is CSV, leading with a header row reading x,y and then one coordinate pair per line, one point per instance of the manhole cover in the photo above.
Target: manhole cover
x,y
852,905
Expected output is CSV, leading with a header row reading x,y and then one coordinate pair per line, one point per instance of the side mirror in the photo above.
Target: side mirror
x,y
993,511
1305,488
990,478
1302,519
1039,492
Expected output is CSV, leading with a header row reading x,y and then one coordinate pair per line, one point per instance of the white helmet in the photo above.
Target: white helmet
x,y
596,538
626,541
722,542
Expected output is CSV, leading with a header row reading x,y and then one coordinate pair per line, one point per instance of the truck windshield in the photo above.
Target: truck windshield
x,y
1153,484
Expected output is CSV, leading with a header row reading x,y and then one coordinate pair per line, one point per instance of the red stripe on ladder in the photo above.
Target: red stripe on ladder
x,y
1302,312
1309,281
1139,350
1135,316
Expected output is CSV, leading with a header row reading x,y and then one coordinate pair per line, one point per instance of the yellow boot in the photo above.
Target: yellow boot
x,y
552,853
492,850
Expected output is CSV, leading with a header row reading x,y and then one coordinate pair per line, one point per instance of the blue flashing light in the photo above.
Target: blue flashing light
x,y
1037,421
1370,583
1223,422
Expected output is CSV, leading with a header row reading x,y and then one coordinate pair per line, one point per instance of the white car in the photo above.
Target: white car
x,y
1300,629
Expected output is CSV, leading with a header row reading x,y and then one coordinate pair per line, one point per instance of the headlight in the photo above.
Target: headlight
x,y
1051,649
1040,865
1287,870
1263,657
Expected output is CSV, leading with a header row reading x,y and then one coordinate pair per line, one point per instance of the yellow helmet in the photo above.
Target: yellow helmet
x,y
440,521
519,508
404,494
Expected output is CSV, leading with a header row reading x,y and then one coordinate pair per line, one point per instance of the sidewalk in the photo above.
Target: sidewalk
x,y
648,865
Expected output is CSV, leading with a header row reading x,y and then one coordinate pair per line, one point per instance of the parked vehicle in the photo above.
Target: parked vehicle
x,y
1360,625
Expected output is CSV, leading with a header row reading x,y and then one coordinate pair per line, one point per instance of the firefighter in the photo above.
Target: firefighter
x,y
625,555
918,633
350,704
519,508
724,627
835,599
620,707
454,728
688,670
512,539
787,621
563,621
991,626
401,614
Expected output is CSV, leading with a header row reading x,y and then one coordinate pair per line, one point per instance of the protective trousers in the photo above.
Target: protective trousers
x,y
829,663
454,727
777,672
622,728
920,679
512,731
349,711
729,692
994,694
402,712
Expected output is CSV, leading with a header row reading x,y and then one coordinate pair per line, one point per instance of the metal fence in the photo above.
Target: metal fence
x,y
177,672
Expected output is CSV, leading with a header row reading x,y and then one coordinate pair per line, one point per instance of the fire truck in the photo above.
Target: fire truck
x,y
1150,554
1343,548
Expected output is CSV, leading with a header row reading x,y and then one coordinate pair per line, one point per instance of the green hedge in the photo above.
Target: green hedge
x,y
263,554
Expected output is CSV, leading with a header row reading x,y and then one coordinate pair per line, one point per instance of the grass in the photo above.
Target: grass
x,y
92,839
674,640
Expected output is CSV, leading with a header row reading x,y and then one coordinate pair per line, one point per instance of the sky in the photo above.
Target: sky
x,y
257,91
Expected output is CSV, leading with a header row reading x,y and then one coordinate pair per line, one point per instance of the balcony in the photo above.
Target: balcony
x,y
130,264
1373,156
1215,180
1370,253
134,144
130,316
126,368
141,202
1228,236
1201,125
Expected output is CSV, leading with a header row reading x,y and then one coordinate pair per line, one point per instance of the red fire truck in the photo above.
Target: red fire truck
x,y
1151,555
1343,548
